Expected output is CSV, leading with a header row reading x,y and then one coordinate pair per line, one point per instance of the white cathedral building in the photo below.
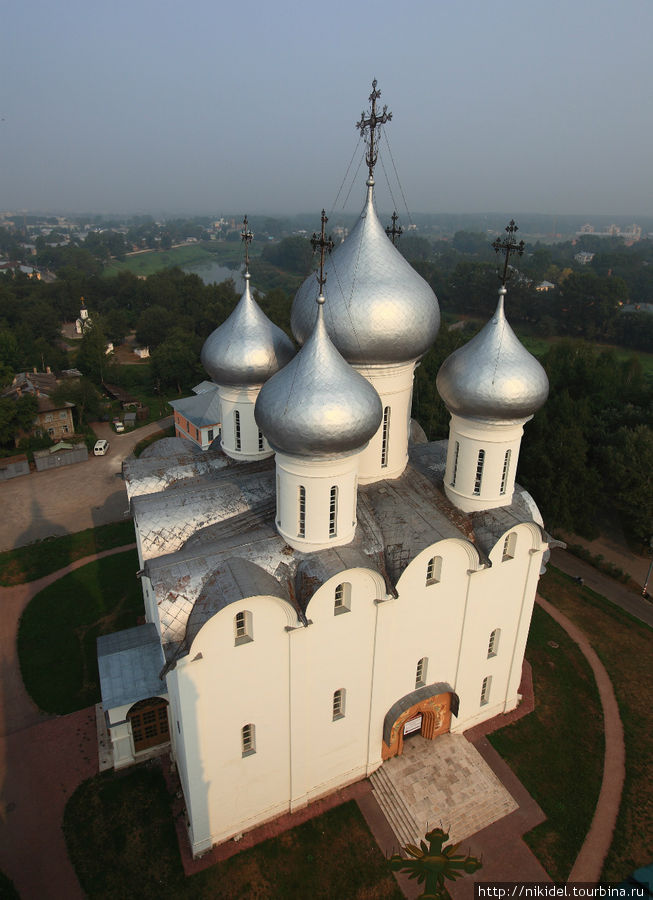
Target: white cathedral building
x,y
319,586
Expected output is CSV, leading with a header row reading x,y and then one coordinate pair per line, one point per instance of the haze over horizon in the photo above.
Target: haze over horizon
x,y
151,107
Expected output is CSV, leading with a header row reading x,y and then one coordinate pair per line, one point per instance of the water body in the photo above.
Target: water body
x,y
214,273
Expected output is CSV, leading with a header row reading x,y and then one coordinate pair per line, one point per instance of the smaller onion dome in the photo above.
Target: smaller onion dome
x,y
318,405
380,309
247,348
493,376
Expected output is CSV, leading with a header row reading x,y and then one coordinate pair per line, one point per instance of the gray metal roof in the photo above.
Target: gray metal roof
x,y
379,310
248,348
129,663
493,376
318,405
168,462
203,410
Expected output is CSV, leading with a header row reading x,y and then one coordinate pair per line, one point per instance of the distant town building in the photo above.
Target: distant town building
x,y
53,418
583,258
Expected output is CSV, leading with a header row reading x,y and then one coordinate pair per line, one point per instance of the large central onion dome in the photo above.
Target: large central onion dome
x,y
318,405
380,310
247,348
493,377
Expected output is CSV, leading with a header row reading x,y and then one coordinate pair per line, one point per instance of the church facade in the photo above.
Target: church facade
x,y
320,586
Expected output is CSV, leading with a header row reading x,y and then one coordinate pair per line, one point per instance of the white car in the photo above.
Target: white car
x,y
101,447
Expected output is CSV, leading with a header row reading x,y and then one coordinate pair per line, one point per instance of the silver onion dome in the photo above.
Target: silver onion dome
x,y
380,310
493,376
318,405
247,348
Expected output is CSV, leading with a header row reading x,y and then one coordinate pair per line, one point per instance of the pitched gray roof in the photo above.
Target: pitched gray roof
x,y
129,662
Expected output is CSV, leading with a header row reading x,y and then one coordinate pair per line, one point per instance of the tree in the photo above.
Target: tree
x,y
175,362
92,358
84,395
16,415
431,863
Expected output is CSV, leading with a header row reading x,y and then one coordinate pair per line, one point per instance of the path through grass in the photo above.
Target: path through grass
x,y
36,560
58,631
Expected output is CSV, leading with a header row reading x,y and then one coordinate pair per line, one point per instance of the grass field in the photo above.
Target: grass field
x,y
557,750
58,630
625,648
36,560
122,842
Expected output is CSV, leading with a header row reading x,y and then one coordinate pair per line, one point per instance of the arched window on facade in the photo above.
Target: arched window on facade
x,y
509,546
339,697
248,739
261,444
301,527
421,671
493,643
434,570
236,429
485,690
504,474
454,468
385,437
478,480
342,598
243,627
333,511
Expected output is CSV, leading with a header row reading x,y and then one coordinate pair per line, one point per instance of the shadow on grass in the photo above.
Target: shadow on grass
x,y
58,631
122,843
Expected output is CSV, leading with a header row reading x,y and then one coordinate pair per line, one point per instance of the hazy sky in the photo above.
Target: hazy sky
x,y
196,106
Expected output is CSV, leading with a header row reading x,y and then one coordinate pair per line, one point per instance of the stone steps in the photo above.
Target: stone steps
x,y
395,810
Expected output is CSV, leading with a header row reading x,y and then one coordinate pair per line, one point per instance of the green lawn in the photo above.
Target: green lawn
x,y
122,842
39,559
557,750
151,261
625,648
58,630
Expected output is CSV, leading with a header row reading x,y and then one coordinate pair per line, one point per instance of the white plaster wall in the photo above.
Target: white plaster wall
x,y
500,597
423,621
394,385
336,651
493,437
242,399
317,476
221,688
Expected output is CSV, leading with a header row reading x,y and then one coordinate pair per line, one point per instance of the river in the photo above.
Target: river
x,y
212,272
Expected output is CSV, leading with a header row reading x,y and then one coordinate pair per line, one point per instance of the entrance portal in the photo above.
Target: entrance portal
x,y
149,722
426,711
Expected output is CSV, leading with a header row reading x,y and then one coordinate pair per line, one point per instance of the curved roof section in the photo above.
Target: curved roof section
x,y
237,579
493,377
247,348
380,310
318,405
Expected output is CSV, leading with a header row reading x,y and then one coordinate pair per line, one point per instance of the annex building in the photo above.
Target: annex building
x,y
321,583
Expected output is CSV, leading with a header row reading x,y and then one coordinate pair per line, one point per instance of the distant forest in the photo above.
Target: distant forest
x,y
589,449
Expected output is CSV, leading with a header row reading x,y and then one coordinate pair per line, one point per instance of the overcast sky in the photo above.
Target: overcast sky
x,y
197,106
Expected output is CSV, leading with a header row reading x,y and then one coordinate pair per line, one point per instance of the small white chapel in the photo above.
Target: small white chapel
x,y
322,582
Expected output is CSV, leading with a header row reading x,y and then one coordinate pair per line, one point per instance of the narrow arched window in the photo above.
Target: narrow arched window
x,y
454,468
338,708
504,474
385,437
480,462
342,598
243,629
493,643
236,429
434,570
248,739
333,511
261,444
485,690
301,529
509,546
420,673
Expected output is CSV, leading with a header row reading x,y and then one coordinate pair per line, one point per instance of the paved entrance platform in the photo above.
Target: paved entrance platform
x,y
441,783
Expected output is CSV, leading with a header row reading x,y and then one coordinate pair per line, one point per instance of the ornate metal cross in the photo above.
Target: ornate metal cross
x,y
373,121
508,246
326,245
246,237
394,233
